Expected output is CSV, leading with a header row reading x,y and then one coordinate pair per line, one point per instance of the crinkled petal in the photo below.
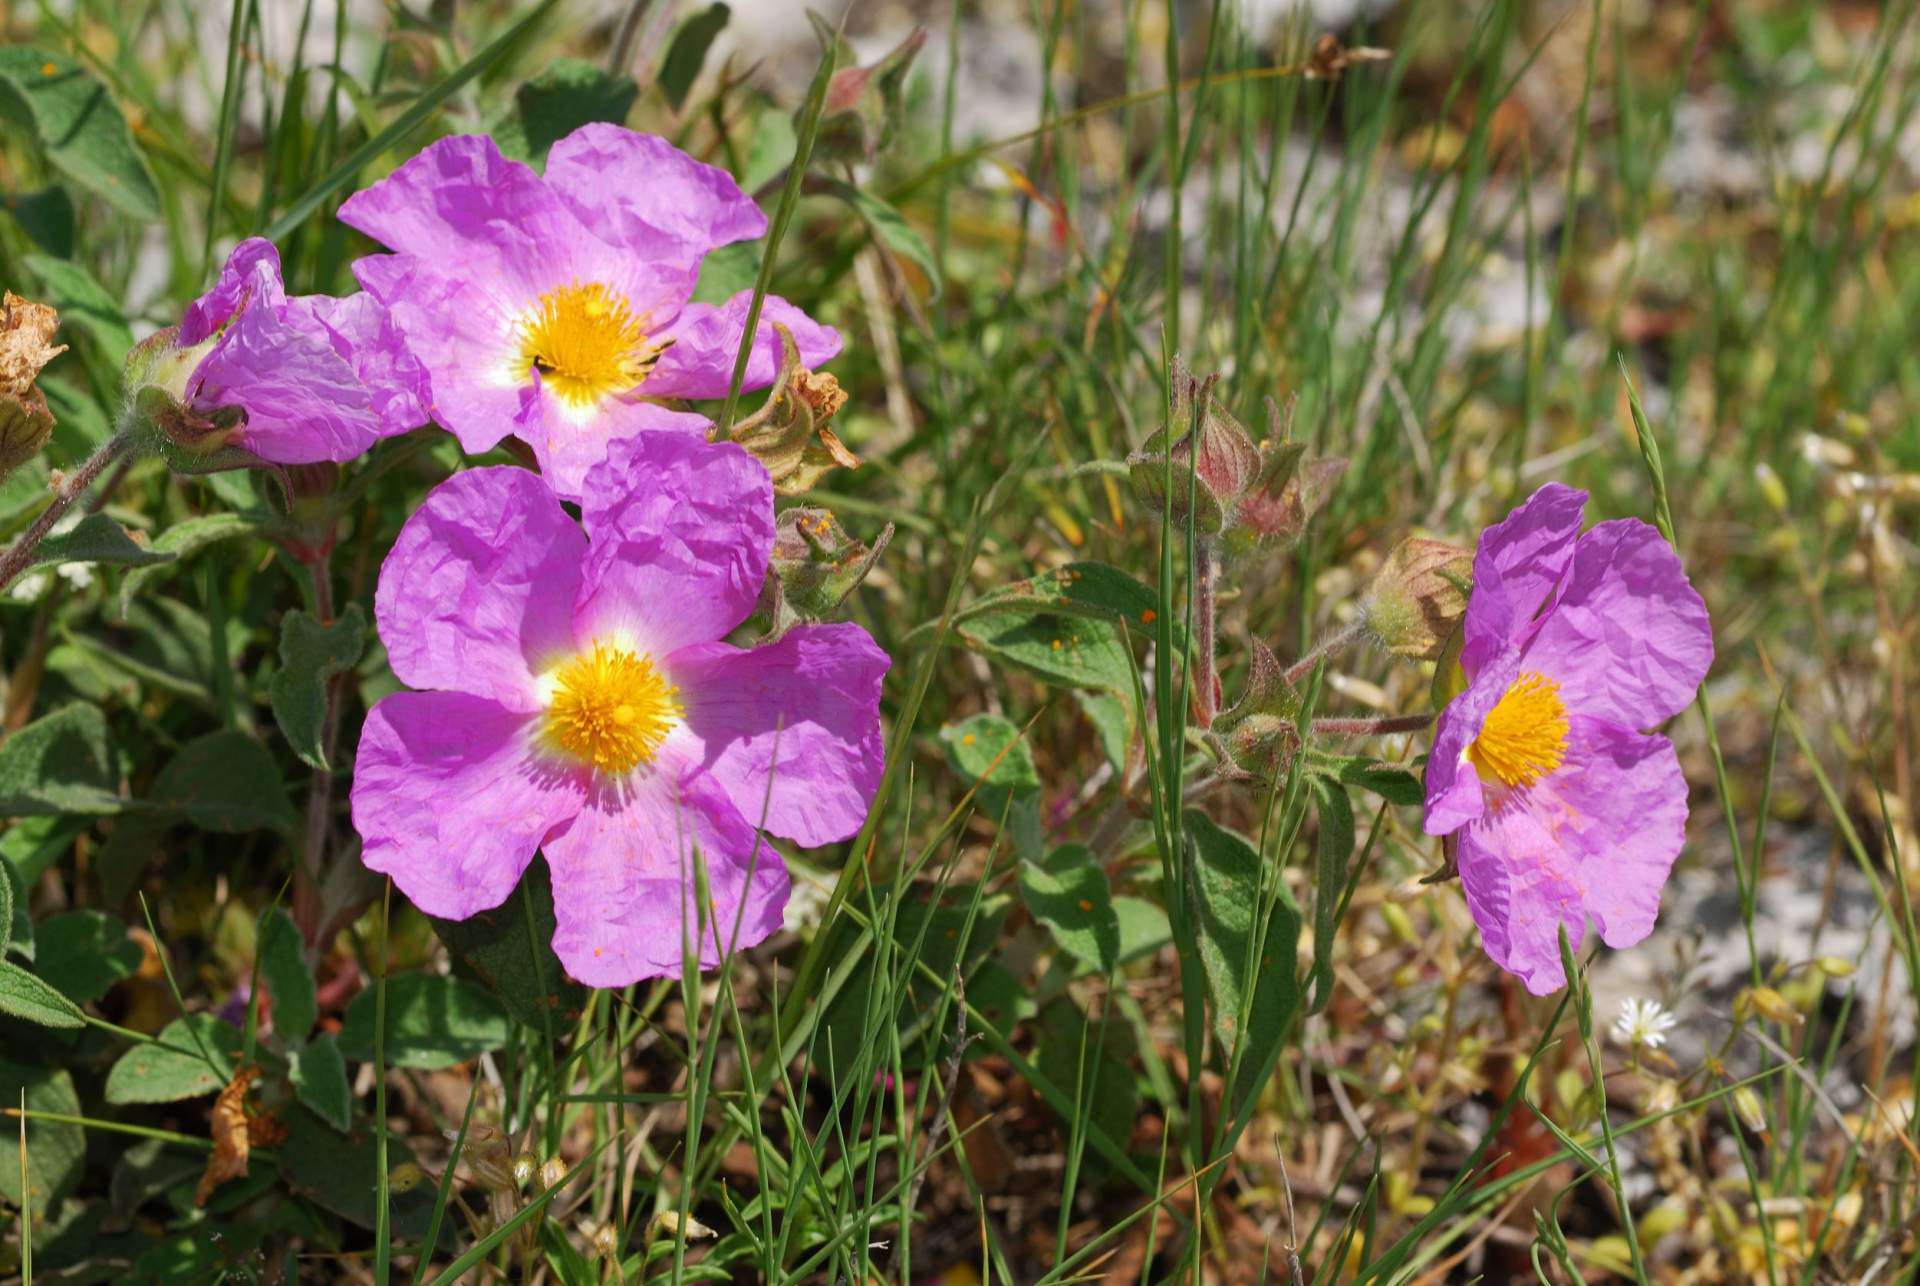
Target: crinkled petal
x,y
451,798
641,192
461,334
706,343
304,401
623,879
813,700
1454,793
363,331
570,444
1594,840
477,594
1627,637
1518,563
241,275
460,203
681,531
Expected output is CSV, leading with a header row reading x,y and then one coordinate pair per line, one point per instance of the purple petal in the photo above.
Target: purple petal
x,y
304,402
623,879
681,531
1628,638
477,594
814,696
1519,561
1596,839
641,192
364,333
570,445
1454,794
459,200
451,798
239,275
706,343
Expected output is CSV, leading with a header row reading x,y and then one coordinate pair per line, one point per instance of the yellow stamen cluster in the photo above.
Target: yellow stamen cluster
x,y
587,343
1525,735
611,708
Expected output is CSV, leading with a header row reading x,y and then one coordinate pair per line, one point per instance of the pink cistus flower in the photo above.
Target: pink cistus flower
x,y
556,308
319,378
578,700
1565,811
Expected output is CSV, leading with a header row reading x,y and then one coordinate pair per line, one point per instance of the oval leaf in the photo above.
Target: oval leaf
x,y
79,127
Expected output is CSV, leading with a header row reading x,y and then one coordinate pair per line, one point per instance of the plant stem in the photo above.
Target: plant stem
x,y
320,797
1378,726
1206,572
19,554
1336,642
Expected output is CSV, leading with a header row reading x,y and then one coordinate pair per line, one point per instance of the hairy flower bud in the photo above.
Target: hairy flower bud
x,y
1418,597
816,565
25,420
791,433
864,105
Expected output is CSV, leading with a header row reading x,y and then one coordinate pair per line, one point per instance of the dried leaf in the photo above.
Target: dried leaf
x,y
234,1132
25,420
789,433
1329,57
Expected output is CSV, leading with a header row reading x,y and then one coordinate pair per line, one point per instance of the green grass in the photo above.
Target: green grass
x,y
930,1077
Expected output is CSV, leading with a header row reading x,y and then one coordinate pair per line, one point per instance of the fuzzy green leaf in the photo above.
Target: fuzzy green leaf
x,y
98,539
319,1076
688,53
56,1150
310,655
283,968
225,781
27,997
1334,853
84,304
173,1070
1068,893
558,101
431,1022
189,537
46,215
83,953
889,227
78,126
509,950
60,763
1066,651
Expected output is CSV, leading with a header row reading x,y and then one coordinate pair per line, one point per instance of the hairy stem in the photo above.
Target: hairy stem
x,y
19,555
1329,646
320,797
1376,726
1206,688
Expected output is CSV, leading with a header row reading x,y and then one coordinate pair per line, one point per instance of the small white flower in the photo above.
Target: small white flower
x,y
29,587
1643,1022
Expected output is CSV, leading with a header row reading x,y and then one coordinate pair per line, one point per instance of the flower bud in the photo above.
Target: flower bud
x,y
816,565
1768,1004
25,419
864,105
1834,967
523,1167
1275,514
1207,467
1747,1106
1260,729
552,1172
1418,597
790,434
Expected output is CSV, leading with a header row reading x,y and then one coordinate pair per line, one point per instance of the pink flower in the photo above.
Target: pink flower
x,y
557,308
319,378
578,700
1566,813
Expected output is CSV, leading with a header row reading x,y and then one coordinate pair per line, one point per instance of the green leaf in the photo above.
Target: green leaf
x,y
283,967
311,654
6,903
889,227
1392,783
988,752
25,996
189,537
688,53
225,781
1068,893
1228,893
171,1070
1334,853
768,154
83,953
1066,651
146,1170
319,1076
1082,1058
729,270
60,764
1144,928
98,539
46,216
78,126
56,1150
568,94
336,1172
84,304
509,950
1112,722
1079,589
431,1022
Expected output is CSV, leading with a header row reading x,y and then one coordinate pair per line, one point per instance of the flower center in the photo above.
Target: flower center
x,y
611,708
1525,735
586,343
